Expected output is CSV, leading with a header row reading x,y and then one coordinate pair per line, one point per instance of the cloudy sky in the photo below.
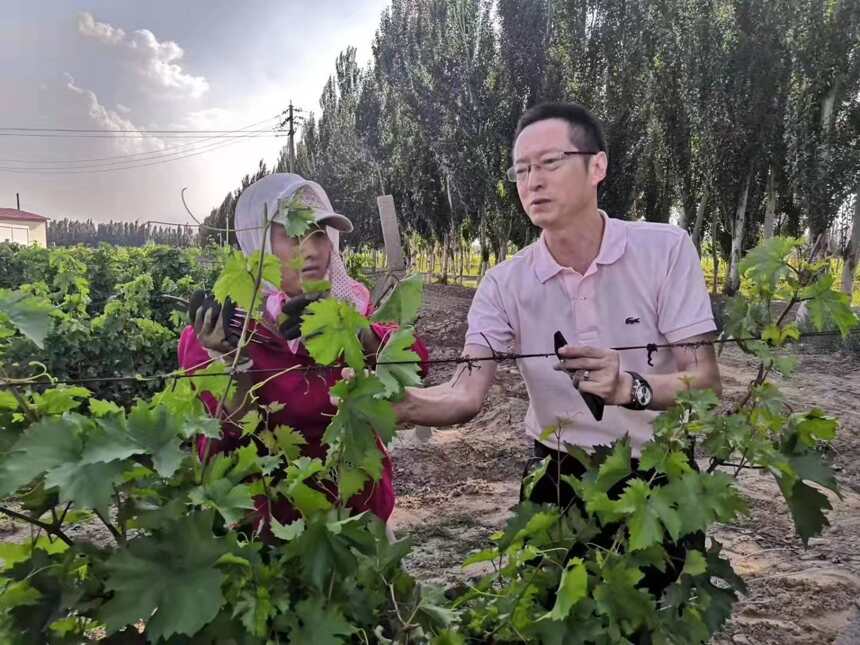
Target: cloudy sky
x,y
157,65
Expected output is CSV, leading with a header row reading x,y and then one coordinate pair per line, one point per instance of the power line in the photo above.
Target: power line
x,y
141,135
131,165
181,147
119,131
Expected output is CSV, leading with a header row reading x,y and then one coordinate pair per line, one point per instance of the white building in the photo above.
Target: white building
x,y
23,227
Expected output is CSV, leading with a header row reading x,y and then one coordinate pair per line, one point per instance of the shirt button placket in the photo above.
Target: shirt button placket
x,y
588,332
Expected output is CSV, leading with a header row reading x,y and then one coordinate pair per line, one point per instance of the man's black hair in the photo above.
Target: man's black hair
x,y
585,130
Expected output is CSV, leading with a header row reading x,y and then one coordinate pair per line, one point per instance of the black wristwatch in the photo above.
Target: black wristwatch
x,y
640,393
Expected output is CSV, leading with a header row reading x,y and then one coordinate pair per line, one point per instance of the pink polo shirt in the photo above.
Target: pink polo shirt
x,y
645,286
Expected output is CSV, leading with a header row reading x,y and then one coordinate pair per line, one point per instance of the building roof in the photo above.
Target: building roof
x,y
21,216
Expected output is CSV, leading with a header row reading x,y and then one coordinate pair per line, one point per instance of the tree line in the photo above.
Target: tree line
x,y
736,119
67,232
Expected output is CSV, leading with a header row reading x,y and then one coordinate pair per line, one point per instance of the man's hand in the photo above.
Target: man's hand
x,y
596,371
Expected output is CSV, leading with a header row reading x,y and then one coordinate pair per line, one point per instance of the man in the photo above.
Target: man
x,y
603,283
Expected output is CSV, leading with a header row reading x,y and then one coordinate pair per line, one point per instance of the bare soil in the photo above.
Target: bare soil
x,y
456,486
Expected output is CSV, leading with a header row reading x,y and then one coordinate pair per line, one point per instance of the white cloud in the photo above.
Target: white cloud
x,y
157,61
109,120
214,118
87,26
123,108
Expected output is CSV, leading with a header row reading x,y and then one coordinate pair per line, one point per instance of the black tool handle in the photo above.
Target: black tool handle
x,y
594,402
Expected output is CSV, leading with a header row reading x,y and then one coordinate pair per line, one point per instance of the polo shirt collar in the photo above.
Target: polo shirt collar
x,y
612,247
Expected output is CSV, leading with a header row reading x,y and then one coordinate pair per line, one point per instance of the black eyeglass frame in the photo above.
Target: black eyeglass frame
x,y
511,175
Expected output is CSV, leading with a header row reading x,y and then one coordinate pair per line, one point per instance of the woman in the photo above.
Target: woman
x,y
306,403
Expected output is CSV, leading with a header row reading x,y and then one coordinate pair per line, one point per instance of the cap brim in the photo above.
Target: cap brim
x,y
335,220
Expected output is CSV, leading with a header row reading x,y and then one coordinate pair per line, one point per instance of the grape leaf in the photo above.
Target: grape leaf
x,y
234,281
826,305
289,531
62,398
807,507
46,444
322,555
643,523
303,497
87,485
615,467
572,588
349,482
397,349
694,563
403,304
360,415
231,500
617,597
150,431
237,279
316,286
289,441
100,408
31,315
533,477
320,625
814,426
171,573
295,217
330,329
766,263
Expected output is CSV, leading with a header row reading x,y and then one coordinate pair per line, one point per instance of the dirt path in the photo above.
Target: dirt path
x,y
457,487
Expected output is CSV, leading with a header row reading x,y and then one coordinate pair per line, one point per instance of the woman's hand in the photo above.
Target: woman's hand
x,y
209,327
291,327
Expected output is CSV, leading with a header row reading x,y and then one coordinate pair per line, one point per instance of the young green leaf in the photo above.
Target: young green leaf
x,y
572,588
406,373
403,304
330,329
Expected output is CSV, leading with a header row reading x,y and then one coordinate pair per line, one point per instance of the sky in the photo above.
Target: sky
x,y
157,65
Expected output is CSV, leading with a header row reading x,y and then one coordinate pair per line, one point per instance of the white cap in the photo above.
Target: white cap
x,y
308,194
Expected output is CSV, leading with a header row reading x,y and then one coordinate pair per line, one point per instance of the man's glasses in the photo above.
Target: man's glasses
x,y
520,172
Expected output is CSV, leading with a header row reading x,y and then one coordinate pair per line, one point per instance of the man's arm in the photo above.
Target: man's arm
x,y
697,369
453,402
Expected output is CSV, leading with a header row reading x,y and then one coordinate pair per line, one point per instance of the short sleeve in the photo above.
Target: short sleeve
x,y
683,303
488,319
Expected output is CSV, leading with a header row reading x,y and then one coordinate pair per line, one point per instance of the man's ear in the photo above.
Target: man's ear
x,y
599,163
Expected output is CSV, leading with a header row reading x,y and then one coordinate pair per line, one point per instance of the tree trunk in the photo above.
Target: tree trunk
x,y
445,250
462,260
770,208
852,252
715,250
698,225
734,281
685,215
482,237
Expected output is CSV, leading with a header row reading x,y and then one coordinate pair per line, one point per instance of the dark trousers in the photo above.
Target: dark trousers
x,y
550,490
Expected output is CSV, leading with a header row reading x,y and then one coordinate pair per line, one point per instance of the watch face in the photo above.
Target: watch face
x,y
642,393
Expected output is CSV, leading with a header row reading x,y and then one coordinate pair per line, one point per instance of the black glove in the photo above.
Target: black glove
x,y
291,327
231,323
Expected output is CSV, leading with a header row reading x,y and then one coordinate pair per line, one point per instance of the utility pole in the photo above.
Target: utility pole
x,y
292,139
291,120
